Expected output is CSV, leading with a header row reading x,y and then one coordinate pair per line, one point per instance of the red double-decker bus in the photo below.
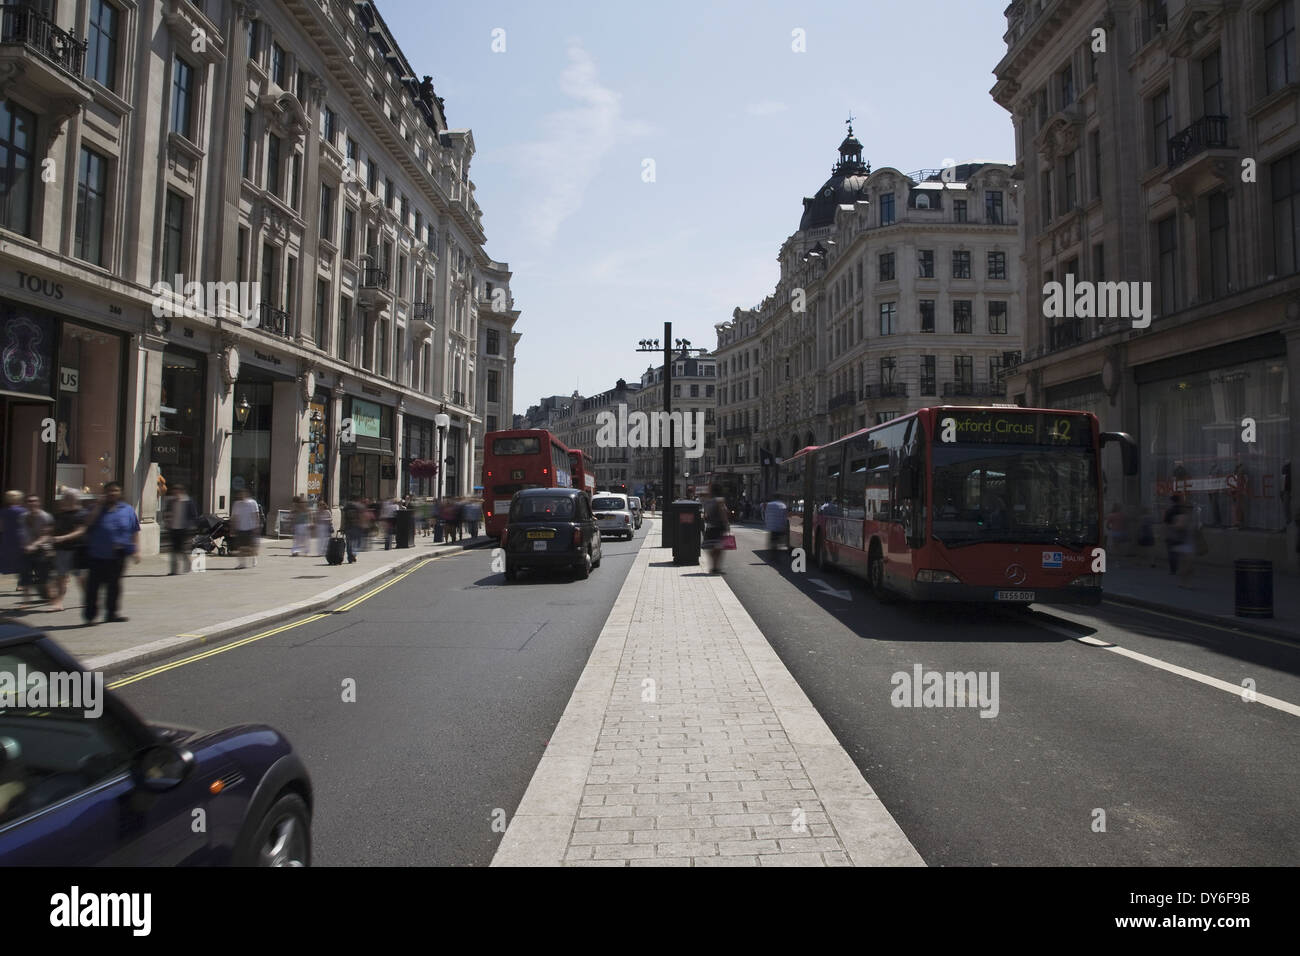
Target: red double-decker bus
x,y
965,504
517,459
582,471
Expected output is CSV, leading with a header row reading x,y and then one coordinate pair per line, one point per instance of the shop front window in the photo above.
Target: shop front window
x,y
180,412
1194,443
90,393
250,455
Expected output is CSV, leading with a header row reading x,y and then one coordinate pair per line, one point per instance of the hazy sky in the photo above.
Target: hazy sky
x,y
740,128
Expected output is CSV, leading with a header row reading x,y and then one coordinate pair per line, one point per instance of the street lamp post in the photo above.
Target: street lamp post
x,y
442,422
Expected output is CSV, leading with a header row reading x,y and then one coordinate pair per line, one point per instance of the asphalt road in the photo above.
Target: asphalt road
x,y
1186,773
459,678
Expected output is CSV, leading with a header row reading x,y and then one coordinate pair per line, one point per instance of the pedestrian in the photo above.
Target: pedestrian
x,y
12,536
448,516
717,523
323,528
388,521
112,536
474,514
353,513
70,522
301,518
1174,531
38,552
182,518
244,521
776,523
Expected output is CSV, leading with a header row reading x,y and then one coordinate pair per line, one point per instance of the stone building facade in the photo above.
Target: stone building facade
x,y
1169,159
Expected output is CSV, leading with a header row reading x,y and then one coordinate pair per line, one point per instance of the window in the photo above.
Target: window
x,y
321,329
341,345
1155,18
269,271
352,155
493,342
695,391
491,423
993,206
405,211
1285,176
290,288
1094,143
1099,262
1070,194
708,391
182,98
390,196
326,212
963,369
92,191
173,235
888,314
1279,46
493,386
997,265
295,181
886,266
372,175
1161,126
928,375
17,130
349,233
1065,85
328,124
1045,195
927,315
961,264
888,368
273,165
959,210
997,318
925,263
1218,220
241,256
995,370
101,44
251,49
886,209
961,316
247,165
1167,257
279,64
1212,85
300,87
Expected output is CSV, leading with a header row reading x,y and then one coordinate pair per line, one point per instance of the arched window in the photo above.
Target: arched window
x,y
922,201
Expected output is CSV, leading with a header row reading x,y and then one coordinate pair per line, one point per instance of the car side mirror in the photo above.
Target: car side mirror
x,y
161,767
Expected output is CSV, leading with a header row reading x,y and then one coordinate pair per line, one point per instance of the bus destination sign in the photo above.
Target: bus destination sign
x,y
1003,427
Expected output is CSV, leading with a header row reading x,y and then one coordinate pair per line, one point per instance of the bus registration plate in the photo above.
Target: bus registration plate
x,y
1026,596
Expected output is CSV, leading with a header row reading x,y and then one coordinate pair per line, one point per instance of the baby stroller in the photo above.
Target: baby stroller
x,y
213,534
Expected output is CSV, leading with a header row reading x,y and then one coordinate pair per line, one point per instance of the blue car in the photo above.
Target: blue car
x,y
85,782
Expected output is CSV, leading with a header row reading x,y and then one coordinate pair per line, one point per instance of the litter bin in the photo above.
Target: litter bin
x,y
687,519
404,527
1254,587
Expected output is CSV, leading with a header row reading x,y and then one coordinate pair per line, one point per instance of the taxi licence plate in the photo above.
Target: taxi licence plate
x,y
1014,596
534,535
539,545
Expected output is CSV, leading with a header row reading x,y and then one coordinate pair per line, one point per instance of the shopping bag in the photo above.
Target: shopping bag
x,y
728,542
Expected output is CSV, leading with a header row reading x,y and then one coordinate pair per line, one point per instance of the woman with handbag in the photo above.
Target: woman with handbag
x,y
717,524
70,521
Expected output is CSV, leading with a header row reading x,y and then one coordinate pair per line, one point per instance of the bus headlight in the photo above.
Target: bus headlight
x,y
936,577
1086,581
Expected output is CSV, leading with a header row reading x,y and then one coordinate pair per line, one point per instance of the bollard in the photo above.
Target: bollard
x,y
1254,579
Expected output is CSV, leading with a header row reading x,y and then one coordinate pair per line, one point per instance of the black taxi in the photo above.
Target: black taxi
x,y
551,528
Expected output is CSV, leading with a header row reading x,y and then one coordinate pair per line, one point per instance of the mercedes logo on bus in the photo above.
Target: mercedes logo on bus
x,y
1016,574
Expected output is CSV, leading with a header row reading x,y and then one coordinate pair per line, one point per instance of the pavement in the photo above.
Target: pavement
x,y
168,613
687,743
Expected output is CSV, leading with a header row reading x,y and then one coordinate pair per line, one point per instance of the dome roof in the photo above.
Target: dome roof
x,y
847,185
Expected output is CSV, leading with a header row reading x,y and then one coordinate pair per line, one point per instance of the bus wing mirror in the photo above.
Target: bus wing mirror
x,y
1127,449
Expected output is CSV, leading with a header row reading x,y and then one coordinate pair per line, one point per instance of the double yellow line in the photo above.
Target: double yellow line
x,y
163,668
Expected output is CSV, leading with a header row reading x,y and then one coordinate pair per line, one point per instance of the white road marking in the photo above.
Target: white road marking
x,y
1235,689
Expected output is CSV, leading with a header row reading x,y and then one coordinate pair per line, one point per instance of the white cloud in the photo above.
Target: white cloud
x,y
765,108
563,164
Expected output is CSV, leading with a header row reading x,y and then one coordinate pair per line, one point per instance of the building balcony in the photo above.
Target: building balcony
x,y
274,321
885,390
1200,157
842,399
458,398
42,60
423,311
965,389
373,290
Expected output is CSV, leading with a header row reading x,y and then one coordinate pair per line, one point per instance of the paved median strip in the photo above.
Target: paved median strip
x,y
687,742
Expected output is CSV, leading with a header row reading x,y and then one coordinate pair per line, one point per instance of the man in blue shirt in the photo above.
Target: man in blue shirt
x,y
113,534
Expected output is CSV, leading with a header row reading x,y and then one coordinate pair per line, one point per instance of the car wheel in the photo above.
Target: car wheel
x,y
582,570
283,838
